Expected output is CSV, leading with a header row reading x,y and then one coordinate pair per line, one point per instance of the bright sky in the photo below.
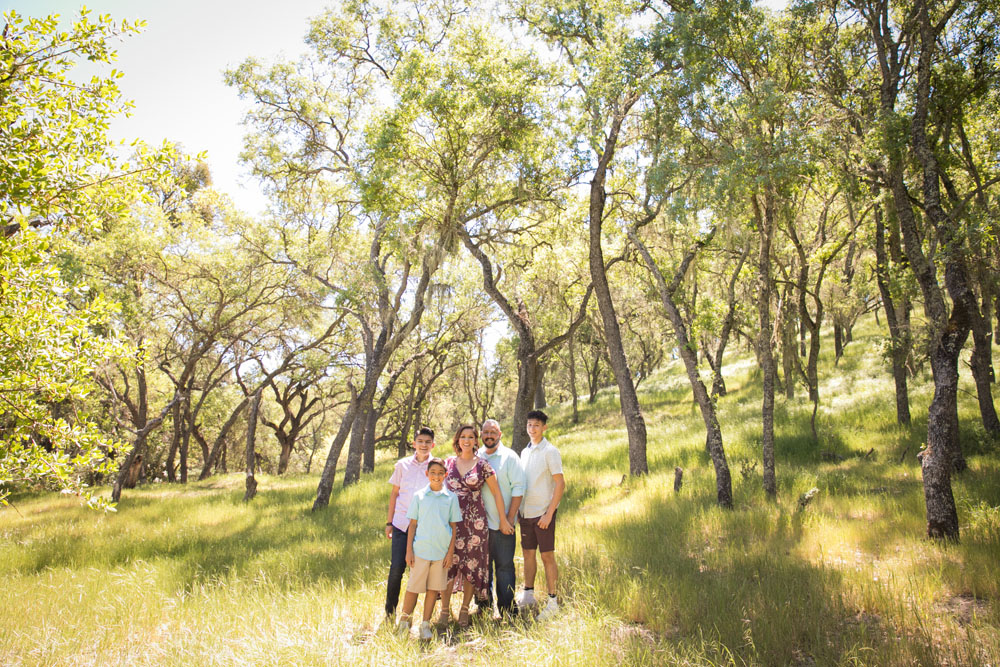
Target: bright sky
x,y
173,70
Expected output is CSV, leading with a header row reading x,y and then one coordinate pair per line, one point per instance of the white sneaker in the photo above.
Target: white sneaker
x,y
526,600
551,609
425,631
403,628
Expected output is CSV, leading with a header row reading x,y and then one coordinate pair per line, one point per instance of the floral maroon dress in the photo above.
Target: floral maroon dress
x,y
472,533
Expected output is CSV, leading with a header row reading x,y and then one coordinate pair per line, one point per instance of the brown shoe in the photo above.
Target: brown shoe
x,y
443,619
463,617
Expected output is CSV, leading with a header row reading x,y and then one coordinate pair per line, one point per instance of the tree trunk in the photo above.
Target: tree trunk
x,y
287,444
540,400
802,339
787,326
325,487
122,480
594,379
220,439
765,230
899,344
718,381
185,436
634,422
948,332
251,480
713,432
982,372
355,451
838,342
527,379
572,379
174,443
371,420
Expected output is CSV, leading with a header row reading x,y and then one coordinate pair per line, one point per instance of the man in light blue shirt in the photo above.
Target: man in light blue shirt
x,y
510,477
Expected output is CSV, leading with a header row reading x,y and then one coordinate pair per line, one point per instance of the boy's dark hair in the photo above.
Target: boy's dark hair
x,y
539,415
435,461
425,430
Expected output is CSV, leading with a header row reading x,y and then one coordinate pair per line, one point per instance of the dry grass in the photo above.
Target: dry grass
x,y
193,576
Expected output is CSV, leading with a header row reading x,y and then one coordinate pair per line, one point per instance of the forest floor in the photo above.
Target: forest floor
x,y
193,576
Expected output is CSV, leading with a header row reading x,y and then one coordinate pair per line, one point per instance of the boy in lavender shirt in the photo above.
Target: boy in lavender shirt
x,y
408,477
433,514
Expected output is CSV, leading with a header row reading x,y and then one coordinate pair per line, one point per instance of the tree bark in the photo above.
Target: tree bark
x,y
899,334
982,372
635,425
540,400
572,379
788,329
325,487
175,440
764,212
251,480
948,332
371,420
217,446
185,436
713,432
594,379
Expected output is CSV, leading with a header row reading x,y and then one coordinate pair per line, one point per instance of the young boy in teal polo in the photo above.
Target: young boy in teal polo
x,y
430,544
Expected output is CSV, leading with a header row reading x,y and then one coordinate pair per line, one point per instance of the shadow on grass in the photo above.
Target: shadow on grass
x,y
727,579
209,535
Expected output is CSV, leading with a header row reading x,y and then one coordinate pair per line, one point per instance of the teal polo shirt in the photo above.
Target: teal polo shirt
x,y
434,511
510,479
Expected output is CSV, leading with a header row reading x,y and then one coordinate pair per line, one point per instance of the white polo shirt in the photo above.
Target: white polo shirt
x,y
539,462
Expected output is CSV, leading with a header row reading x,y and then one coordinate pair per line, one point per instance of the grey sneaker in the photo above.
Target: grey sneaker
x,y
551,609
425,631
526,600
403,628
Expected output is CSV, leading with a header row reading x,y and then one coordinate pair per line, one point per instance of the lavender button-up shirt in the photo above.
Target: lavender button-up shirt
x,y
410,476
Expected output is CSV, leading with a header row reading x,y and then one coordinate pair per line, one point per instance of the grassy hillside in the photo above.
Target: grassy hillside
x,y
192,576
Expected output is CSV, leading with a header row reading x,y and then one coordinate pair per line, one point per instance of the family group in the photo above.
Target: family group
x,y
455,537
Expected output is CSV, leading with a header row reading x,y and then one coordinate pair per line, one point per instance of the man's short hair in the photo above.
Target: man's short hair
x,y
425,430
539,415
435,461
490,422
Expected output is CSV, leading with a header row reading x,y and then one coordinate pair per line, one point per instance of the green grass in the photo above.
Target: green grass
x,y
192,576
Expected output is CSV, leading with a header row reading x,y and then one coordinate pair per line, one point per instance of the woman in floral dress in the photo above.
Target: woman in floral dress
x,y
467,474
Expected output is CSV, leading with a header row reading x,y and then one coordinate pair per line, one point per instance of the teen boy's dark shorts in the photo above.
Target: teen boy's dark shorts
x,y
533,537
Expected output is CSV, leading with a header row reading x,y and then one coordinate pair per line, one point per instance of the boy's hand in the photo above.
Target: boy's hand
x,y
410,559
447,560
545,520
388,532
505,526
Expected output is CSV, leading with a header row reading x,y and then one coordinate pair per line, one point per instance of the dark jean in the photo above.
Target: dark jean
x,y
502,560
396,569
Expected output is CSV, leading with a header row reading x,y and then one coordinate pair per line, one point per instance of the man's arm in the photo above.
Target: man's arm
x,y
517,484
392,510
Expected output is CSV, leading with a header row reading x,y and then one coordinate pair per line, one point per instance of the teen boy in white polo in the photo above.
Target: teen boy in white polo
x,y
544,486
